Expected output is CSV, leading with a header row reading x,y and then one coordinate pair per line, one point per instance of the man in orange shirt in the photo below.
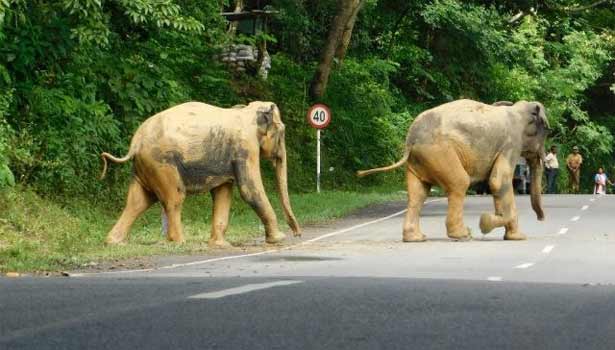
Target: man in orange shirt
x,y
574,162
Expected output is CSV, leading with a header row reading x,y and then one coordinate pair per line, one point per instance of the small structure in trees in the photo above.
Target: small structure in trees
x,y
248,22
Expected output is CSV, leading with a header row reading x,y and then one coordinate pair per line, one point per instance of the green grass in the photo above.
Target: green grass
x,y
39,234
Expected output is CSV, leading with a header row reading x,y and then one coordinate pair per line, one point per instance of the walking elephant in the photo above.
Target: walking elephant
x,y
464,142
195,147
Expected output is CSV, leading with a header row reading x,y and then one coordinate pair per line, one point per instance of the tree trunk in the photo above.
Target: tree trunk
x,y
340,52
232,29
345,10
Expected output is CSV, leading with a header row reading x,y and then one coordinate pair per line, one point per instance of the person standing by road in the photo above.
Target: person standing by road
x,y
600,181
552,170
574,162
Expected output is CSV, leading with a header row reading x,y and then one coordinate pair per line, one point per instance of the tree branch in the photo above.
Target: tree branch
x,y
517,17
583,8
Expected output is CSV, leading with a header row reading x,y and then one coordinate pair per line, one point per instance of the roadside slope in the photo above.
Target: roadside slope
x,y
38,235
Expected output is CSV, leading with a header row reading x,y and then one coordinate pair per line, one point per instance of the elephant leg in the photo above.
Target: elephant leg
x,y
417,192
442,166
222,197
138,200
455,227
171,193
456,183
507,216
500,182
252,191
512,232
173,208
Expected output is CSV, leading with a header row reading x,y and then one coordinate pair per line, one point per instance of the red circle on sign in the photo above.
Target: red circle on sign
x,y
319,116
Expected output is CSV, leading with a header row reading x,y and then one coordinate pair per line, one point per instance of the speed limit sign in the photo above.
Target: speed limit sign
x,y
319,116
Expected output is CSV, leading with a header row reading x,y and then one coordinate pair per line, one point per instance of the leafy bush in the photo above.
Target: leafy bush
x,y
89,72
369,124
6,175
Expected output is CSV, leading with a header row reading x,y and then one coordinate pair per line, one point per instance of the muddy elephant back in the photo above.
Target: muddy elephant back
x,y
424,129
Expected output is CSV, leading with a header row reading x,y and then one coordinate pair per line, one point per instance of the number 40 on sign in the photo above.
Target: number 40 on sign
x,y
319,117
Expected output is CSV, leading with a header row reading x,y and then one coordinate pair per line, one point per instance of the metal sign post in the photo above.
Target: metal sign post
x,y
318,160
319,117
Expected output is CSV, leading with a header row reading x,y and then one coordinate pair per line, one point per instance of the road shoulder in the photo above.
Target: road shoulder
x,y
251,248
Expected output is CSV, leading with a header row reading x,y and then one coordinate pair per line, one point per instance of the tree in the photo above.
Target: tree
x,y
233,25
336,44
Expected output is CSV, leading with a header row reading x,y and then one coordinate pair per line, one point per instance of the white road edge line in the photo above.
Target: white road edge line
x,y
575,218
584,207
524,266
548,249
231,257
494,279
563,231
242,290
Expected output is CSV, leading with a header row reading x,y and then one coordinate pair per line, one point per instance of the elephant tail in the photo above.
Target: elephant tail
x,y
401,162
126,158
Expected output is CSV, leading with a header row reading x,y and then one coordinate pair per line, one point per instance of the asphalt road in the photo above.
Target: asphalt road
x,y
349,285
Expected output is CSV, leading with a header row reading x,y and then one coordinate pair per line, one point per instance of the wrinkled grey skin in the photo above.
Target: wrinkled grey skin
x,y
194,148
465,142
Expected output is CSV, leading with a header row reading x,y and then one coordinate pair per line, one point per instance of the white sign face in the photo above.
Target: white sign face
x,y
319,116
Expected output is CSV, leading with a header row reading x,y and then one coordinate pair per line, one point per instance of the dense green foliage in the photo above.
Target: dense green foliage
x,y
78,76
86,73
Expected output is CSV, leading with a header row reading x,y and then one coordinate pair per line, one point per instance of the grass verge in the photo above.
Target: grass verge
x,y
38,234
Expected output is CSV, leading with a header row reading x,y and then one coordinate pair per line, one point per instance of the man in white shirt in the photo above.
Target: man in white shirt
x,y
552,169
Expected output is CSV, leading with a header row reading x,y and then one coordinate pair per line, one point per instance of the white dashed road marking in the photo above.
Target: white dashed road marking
x,y
592,199
563,230
494,278
524,266
584,207
548,249
242,290
576,218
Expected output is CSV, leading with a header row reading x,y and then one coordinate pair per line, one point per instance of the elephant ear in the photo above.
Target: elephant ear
x,y
264,118
502,103
538,124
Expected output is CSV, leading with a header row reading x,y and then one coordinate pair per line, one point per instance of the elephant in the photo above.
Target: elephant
x,y
195,147
463,142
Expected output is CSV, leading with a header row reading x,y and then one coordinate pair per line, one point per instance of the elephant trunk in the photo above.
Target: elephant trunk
x,y
282,182
536,169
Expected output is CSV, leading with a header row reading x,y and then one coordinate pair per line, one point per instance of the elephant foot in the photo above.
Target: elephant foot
x,y
514,236
486,223
114,240
461,235
175,239
218,244
414,237
275,238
